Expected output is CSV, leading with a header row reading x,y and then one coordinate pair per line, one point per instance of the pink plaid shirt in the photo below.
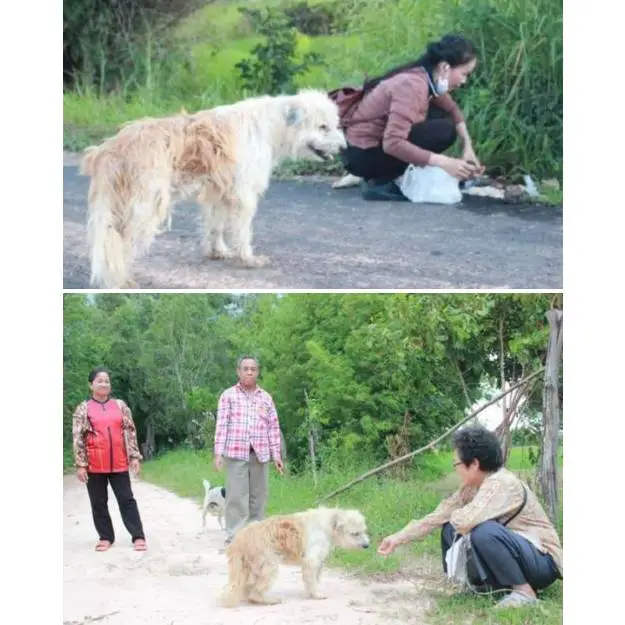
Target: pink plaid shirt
x,y
244,420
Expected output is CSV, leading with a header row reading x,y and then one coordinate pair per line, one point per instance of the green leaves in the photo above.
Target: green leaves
x,y
273,64
364,360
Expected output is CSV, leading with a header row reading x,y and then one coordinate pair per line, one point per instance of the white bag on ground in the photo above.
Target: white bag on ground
x,y
429,185
456,560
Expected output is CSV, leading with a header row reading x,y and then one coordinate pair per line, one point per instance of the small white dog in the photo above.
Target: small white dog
x,y
304,538
214,503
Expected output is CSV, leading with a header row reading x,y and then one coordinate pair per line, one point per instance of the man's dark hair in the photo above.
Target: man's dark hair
x,y
247,357
94,373
476,442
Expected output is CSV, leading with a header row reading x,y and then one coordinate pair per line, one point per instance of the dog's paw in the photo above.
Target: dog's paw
x,y
264,600
220,253
318,595
254,262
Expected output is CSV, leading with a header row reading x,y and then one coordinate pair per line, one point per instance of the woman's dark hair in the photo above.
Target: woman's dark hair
x,y
453,49
476,442
94,372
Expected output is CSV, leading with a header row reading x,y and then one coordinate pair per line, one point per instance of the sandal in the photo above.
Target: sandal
x,y
139,545
103,545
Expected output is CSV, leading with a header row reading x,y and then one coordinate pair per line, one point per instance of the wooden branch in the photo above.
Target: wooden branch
x,y
433,443
502,373
548,468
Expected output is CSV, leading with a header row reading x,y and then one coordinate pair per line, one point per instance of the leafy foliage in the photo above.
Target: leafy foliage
x,y
110,43
316,19
372,366
273,66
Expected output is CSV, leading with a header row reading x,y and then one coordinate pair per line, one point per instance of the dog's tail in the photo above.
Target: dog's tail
x,y
207,485
108,212
237,578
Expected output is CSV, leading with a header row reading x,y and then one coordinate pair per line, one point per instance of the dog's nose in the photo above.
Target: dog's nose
x,y
365,546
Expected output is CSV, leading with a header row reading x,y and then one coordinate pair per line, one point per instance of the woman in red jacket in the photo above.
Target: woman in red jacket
x,y
105,448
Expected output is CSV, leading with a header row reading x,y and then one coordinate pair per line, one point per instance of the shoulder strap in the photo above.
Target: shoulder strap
x,y
522,505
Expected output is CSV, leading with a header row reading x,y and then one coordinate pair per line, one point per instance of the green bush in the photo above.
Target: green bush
x,y
273,66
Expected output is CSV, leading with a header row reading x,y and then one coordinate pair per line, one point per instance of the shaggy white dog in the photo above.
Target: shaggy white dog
x,y
222,157
304,538
214,503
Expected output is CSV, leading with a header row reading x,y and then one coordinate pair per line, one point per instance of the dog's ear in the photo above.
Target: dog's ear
x,y
337,521
293,115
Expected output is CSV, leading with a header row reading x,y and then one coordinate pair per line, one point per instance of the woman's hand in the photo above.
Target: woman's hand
x,y
468,154
456,167
81,474
135,466
388,545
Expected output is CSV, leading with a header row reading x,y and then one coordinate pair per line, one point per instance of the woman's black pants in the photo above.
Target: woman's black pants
x,y
504,558
436,134
97,487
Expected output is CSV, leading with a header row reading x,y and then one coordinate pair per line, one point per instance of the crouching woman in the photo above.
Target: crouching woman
x,y
514,544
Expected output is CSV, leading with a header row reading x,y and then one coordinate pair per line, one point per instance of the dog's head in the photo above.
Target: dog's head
x,y
349,529
312,126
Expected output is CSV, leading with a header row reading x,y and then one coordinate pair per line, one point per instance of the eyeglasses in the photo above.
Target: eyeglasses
x,y
457,463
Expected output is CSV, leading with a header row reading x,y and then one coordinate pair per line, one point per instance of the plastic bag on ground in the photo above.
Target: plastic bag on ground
x,y
429,185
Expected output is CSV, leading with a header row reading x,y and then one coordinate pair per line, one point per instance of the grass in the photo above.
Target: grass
x,y
512,105
388,505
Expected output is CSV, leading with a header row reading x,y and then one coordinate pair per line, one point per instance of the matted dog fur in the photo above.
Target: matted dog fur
x,y
304,538
222,157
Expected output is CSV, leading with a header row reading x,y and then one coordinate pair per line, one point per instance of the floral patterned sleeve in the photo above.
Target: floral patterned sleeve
x,y
416,530
80,427
128,425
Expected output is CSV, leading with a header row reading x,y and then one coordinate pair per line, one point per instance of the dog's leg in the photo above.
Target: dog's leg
x,y
311,571
213,244
264,577
242,231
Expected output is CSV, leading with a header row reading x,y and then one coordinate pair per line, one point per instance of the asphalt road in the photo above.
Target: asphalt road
x,y
320,238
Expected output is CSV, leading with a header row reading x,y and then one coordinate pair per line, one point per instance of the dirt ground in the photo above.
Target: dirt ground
x,y
317,237
177,581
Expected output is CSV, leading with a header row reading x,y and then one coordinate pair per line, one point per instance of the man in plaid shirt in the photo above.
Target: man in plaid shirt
x,y
247,437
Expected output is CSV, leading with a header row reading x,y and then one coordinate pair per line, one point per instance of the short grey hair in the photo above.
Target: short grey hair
x,y
247,357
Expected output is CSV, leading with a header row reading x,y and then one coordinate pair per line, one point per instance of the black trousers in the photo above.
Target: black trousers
x,y
436,133
97,487
505,558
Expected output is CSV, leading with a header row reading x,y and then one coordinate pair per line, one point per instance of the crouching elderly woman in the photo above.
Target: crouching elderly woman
x,y
514,545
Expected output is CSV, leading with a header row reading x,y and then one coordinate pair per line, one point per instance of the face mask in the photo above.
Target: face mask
x,y
442,86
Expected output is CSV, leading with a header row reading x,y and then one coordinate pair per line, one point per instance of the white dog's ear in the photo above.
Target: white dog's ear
x,y
293,115
337,521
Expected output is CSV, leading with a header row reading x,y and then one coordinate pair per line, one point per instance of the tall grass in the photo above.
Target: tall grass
x,y
513,103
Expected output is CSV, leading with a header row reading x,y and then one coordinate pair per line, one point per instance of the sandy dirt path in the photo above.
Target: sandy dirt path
x,y
177,581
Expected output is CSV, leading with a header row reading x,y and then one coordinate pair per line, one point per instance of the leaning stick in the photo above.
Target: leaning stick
x,y
433,443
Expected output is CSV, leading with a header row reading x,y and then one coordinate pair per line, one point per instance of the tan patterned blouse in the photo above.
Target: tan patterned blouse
x,y
498,498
